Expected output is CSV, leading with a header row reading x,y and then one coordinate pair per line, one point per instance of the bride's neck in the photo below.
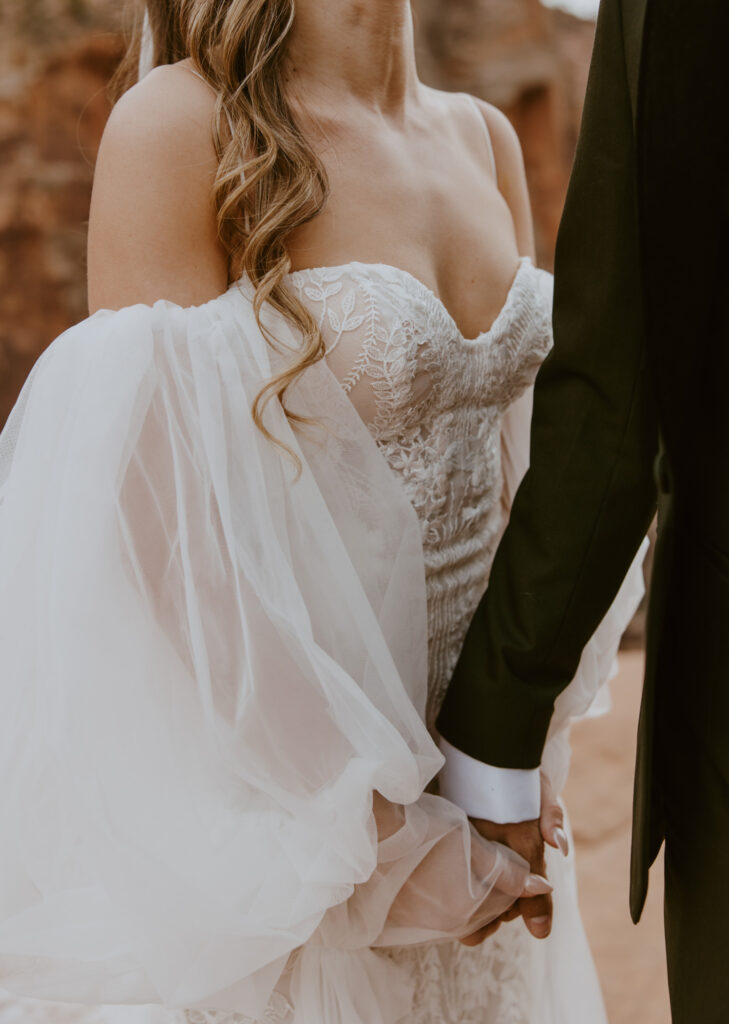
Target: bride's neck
x,y
363,47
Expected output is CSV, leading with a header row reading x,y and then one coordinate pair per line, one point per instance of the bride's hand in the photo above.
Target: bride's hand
x,y
536,885
527,838
437,878
484,933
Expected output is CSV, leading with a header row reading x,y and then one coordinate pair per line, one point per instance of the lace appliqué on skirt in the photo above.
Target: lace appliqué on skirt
x,y
455,984
278,1011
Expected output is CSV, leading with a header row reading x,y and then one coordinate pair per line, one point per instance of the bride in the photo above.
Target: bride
x,y
247,509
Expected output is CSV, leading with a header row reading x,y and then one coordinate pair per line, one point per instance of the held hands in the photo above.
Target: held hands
x,y
527,838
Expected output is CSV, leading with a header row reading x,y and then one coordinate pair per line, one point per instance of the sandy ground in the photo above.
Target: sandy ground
x,y
630,959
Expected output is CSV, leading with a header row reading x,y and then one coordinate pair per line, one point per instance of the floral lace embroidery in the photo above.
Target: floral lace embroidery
x,y
455,984
433,402
278,1011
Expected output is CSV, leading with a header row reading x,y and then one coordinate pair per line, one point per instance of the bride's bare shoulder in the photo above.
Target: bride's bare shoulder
x,y
505,141
458,111
461,112
152,227
171,104
510,172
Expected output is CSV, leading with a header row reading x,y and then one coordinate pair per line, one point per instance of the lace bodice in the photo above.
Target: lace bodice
x,y
433,401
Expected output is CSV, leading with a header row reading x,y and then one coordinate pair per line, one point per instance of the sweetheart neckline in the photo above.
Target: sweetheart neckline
x,y
525,263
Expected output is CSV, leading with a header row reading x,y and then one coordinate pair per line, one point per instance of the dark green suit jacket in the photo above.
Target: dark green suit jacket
x,y
622,406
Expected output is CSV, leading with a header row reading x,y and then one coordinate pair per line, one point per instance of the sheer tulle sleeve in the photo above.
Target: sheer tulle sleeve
x,y
211,668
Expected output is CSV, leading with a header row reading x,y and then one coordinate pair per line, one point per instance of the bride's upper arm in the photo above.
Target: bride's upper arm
x,y
510,175
153,228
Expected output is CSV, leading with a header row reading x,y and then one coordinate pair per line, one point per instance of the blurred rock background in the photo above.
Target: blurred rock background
x,y
56,57
531,62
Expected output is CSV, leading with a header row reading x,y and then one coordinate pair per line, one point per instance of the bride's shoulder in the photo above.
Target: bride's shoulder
x,y
152,222
456,114
504,139
160,130
499,129
508,160
170,108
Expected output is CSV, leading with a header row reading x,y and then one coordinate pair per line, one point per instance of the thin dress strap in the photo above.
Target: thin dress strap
x,y
196,73
487,133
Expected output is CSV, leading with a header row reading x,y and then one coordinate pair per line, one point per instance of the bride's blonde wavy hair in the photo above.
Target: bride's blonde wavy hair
x,y
269,180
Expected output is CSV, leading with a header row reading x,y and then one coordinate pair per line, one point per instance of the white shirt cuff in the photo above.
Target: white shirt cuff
x,y
501,795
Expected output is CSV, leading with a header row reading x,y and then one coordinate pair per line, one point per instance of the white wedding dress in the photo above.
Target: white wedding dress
x,y
194,638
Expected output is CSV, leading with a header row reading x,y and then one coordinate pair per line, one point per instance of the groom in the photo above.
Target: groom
x,y
631,413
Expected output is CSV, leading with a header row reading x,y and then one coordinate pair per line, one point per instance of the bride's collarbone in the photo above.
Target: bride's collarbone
x,y
461,247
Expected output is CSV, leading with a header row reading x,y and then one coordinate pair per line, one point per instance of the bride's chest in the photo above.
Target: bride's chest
x,y
399,355
431,398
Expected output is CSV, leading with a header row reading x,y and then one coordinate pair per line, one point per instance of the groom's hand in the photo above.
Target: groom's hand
x,y
527,839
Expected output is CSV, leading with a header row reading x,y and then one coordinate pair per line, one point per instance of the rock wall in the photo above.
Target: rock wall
x,y
529,60
55,61
56,57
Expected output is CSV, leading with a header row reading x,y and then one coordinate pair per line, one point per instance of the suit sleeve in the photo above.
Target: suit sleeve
x,y
589,496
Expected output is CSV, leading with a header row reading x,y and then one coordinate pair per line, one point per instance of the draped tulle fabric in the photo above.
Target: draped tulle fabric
x,y
212,749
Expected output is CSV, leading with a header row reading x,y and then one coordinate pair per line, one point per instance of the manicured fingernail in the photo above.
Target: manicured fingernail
x,y
536,885
539,926
560,838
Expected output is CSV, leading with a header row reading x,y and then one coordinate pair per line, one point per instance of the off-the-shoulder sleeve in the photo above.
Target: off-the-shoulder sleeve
x,y
211,668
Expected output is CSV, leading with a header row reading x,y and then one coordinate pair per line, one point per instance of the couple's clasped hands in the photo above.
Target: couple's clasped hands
x,y
527,838
440,875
